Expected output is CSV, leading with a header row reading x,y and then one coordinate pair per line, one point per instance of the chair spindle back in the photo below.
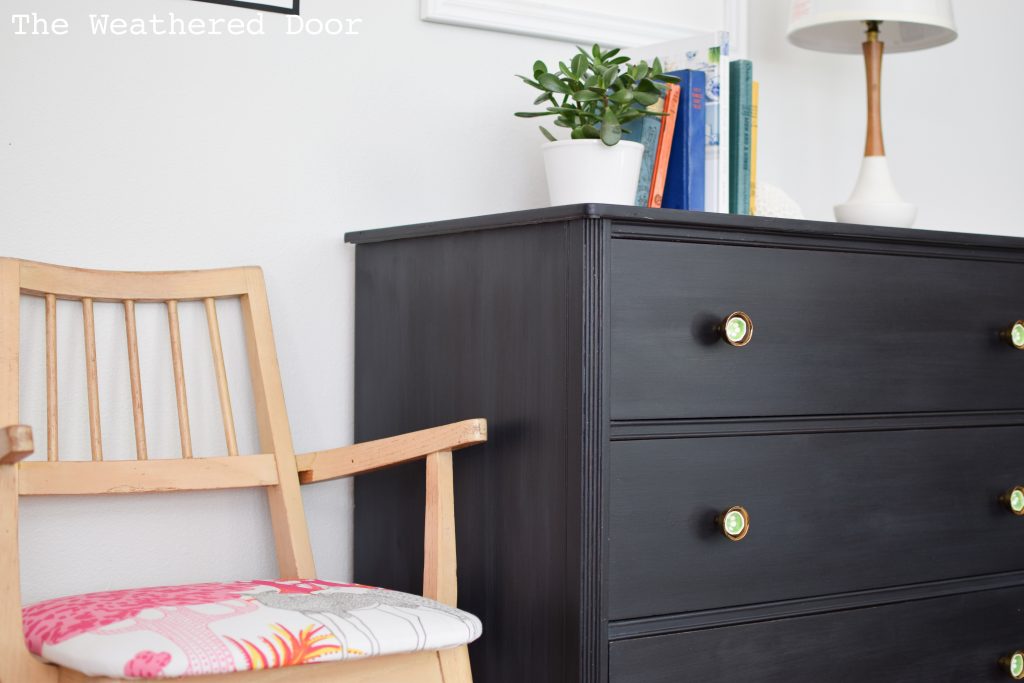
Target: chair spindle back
x,y
273,468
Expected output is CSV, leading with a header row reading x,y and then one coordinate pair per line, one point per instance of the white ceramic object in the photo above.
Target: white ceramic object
x,y
874,200
772,201
589,171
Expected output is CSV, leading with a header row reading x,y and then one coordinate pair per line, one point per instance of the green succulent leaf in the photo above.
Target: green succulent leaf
x,y
547,134
585,96
579,66
624,96
648,86
532,114
552,83
539,68
611,136
611,130
586,133
533,84
646,99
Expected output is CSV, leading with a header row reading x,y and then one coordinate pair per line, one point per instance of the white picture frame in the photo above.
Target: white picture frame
x,y
571,24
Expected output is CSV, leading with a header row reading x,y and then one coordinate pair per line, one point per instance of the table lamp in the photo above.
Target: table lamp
x,y
869,26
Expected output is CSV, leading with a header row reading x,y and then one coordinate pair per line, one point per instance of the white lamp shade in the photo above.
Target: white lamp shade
x,y
838,25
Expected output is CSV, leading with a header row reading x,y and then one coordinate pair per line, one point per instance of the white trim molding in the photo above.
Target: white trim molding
x,y
548,20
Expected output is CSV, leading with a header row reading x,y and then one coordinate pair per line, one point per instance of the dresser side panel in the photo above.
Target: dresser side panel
x,y
480,324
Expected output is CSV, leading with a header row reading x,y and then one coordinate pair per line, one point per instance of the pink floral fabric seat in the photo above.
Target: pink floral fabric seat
x,y
210,628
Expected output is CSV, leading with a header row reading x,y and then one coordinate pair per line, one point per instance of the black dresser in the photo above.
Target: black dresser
x,y
721,448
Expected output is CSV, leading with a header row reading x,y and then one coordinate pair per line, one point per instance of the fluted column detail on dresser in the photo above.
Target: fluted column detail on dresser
x,y
593,236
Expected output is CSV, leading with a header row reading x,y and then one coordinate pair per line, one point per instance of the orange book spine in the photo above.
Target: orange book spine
x,y
668,127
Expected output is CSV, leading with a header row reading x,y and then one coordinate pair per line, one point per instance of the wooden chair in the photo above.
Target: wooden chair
x,y
277,469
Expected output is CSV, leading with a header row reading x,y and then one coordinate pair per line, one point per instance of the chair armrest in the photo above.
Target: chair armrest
x,y
15,444
374,455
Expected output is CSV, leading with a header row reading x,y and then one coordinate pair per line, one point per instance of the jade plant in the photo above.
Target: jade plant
x,y
598,94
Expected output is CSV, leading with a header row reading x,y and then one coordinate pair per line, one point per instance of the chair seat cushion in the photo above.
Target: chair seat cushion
x,y
223,627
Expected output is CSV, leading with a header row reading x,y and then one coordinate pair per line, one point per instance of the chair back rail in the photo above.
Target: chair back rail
x,y
137,476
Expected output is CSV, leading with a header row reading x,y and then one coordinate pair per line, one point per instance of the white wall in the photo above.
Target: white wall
x,y
190,152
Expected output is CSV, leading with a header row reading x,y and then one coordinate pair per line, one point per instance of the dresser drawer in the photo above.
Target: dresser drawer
x,y
833,332
829,513
958,639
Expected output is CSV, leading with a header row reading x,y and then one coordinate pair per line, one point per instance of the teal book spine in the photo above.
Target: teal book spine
x,y
741,120
649,139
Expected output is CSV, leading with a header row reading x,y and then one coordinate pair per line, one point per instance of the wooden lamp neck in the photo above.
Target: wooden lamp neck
x,y
874,147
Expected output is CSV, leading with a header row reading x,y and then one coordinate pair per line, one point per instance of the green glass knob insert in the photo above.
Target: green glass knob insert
x,y
1014,499
1015,335
734,522
1015,665
737,329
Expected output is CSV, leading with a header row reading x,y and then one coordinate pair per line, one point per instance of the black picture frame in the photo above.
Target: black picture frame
x,y
294,9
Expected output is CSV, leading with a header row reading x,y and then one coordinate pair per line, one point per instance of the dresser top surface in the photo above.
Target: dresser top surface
x,y
669,218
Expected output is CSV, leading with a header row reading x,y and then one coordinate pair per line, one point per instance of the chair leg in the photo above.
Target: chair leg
x,y
455,665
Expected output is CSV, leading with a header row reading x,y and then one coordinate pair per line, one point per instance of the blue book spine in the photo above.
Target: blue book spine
x,y
649,132
684,184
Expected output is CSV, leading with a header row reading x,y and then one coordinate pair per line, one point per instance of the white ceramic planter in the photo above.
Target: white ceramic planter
x,y
582,171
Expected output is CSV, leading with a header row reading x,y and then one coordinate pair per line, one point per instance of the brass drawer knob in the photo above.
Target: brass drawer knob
x,y
1015,334
1014,499
734,523
738,328
1014,665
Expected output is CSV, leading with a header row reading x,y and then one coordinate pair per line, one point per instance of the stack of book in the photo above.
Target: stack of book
x,y
702,154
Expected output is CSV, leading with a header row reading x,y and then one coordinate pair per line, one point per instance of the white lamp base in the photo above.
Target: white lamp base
x,y
874,200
